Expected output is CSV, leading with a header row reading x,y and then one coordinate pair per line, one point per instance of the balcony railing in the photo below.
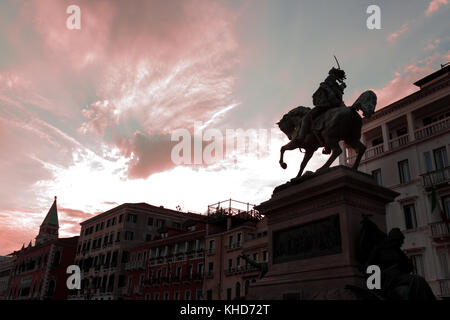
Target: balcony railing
x,y
436,177
374,151
444,287
440,230
422,133
398,142
432,129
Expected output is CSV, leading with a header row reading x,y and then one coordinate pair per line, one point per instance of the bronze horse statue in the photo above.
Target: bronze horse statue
x,y
336,124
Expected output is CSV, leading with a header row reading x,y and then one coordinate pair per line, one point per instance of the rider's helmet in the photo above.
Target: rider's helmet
x,y
338,73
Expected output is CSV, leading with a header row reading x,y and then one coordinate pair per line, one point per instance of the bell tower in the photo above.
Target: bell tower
x,y
49,227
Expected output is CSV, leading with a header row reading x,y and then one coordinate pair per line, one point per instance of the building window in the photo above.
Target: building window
x,y
176,225
230,241
210,267
229,293
212,245
403,170
132,218
120,218
199,295
166,296
114,221
238,289
51,288
159,223
150,221
200,268
410,216
428,162
209,295
446,205
264,256
417,262
230,265
156,296
247,284
444,264
376,174
187,295
129,235
177,295
440,158
239,239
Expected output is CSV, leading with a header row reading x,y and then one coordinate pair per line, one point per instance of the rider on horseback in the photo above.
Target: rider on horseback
x,y
329,95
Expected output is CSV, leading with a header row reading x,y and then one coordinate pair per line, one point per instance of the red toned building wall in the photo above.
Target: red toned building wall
x,y
147,274
29,281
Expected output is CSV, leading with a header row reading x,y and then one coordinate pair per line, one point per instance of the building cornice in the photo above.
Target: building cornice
x,y
407,100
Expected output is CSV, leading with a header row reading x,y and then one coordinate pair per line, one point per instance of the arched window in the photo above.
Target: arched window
x,y
247,283
238,290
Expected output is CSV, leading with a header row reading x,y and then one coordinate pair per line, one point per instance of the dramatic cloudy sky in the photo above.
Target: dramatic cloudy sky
x,y
87,115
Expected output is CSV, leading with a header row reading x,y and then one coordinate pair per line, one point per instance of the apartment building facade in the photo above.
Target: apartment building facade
x,y
408,148
170,267
7,265
106,240
234,229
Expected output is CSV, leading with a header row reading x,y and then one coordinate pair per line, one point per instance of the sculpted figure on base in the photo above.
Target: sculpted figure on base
x,y
374,247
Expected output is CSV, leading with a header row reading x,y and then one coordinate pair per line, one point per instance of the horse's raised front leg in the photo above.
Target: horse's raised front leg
x,y
309,153
360,149
336,151
289,146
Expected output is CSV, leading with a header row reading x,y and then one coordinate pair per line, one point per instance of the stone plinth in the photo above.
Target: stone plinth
x,y
313,225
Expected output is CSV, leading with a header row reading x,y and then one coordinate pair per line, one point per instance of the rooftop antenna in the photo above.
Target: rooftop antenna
x,y
339,66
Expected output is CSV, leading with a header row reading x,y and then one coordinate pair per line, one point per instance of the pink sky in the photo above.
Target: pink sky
x,y
87,114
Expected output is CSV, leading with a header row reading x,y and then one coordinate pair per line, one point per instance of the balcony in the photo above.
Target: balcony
x,y
444,288
230,271
398,142
432,129
374,151
440,230
436,178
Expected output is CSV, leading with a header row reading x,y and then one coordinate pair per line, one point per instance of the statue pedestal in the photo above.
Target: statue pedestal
x,y
313,226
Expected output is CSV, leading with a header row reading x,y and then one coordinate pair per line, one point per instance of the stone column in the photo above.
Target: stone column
x,y
410,120
385,132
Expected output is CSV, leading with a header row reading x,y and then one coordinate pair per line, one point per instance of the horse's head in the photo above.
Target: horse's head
x,y
286,124
366,102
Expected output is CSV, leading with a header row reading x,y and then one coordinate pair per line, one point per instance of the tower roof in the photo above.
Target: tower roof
x,y
52,216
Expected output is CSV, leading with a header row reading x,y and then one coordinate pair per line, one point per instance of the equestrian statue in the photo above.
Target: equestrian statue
x,y
328,123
